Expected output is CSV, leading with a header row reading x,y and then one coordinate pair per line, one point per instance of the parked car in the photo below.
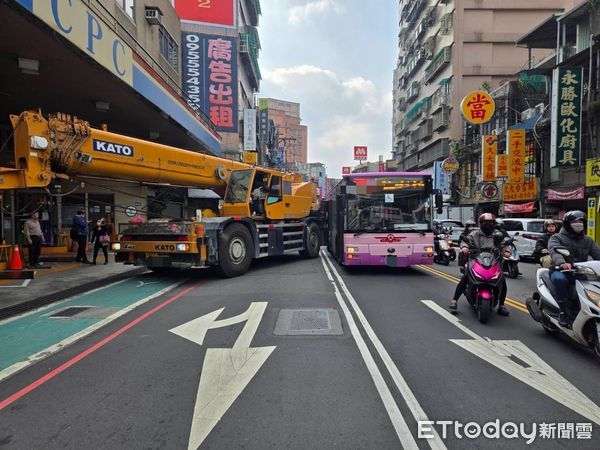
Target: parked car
x,y
526,232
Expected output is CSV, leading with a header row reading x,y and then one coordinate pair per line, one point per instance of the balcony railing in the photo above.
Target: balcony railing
x,y
413,91
249,50
441,119
441,60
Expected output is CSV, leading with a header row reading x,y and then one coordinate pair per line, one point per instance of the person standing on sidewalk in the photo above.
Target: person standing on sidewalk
x,y
35,238
82,230
101,239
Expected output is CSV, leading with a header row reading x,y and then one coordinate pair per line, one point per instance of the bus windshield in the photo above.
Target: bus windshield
x,y
387,204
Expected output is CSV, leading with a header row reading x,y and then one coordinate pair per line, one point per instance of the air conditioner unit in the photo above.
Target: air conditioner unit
x,y
497,131
153,15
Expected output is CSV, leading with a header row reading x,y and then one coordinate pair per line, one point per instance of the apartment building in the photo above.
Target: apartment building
x,y
447,48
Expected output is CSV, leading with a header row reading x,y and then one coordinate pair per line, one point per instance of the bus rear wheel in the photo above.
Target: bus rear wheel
x,y
312,242
235,251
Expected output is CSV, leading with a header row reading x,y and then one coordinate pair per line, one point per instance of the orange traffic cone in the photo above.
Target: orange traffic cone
x,y
16,263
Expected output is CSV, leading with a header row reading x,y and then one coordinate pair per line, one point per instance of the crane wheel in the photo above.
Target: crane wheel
x,y
312,242
235,251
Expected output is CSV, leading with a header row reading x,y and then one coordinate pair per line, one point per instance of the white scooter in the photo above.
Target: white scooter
x,y
585,327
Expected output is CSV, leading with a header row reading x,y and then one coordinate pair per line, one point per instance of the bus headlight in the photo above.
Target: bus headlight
x,y
351,249
183,247
116,246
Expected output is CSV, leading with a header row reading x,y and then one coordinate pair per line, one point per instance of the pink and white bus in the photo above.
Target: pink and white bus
x,y
382,219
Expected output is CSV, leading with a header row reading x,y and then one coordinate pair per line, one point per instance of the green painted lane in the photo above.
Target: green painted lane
x,y
23,337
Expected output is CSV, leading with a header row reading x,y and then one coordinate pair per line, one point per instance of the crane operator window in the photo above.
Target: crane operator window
x,y
237,188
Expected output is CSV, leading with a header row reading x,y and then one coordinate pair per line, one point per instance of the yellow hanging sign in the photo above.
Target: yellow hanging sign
x,y
502,165
490,148
516,156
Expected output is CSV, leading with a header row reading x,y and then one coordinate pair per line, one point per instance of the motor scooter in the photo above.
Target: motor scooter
x,y
510,258
442,250
485,282
584,314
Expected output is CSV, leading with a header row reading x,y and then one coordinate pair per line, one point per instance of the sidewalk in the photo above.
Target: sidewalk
x,y
61,280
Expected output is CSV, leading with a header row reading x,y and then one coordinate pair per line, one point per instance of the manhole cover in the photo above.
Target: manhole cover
x,y
309,320
70,312
297,322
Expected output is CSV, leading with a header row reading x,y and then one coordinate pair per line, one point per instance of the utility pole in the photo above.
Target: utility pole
x,y
274,143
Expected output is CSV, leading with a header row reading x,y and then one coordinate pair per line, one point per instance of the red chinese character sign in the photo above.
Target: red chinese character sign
x,y
478,107
566,117
210,78
346,170
214,12
490,149
516,156
360,153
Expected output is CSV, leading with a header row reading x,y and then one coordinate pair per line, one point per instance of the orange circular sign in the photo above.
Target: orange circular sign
x,y
478,107
450,165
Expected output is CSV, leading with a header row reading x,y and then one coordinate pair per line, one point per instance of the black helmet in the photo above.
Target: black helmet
x,y
571,217
470,223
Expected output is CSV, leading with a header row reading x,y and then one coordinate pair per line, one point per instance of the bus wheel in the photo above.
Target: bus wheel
x,y
312,243
235,251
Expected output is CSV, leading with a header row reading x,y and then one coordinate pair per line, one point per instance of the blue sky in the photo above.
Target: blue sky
x,y
336,58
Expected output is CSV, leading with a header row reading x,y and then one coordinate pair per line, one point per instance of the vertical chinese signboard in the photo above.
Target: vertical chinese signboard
x,y
249,130
214,12
490,148
360,153
566,117
591,218
210,77
441,179
502,166
516,156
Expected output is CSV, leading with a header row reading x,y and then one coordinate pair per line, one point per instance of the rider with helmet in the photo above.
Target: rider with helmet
x,y
580,247
541,254
487,237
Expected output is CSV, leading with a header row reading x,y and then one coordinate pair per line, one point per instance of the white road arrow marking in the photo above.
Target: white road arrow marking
x,y
226,371
533,370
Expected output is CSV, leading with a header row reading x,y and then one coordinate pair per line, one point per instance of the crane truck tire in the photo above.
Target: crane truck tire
x,y
235,251
312,243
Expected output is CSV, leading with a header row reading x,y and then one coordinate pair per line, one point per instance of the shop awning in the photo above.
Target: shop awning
x,y
518,208
573,194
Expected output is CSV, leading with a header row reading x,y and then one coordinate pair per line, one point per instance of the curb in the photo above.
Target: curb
x,y
19,308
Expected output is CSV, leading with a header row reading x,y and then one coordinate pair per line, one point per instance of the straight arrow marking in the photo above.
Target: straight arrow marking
x,y
534,371
226,371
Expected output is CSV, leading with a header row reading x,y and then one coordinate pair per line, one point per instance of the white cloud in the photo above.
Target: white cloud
x,y
339,113
301,13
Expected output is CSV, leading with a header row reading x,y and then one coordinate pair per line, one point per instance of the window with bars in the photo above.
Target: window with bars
x,y
169,48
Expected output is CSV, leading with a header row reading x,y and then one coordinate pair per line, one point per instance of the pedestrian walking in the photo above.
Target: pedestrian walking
x,y
35,238
80,233
101,239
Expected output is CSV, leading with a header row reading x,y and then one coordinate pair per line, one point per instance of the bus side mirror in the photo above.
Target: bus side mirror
x,y
439,202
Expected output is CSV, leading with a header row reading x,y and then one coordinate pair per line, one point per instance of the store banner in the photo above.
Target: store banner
x,y
249,130
441,179
591,217
520,191
573,194
516,156
565,141
213,12
502,166
210,77
489,151
518,208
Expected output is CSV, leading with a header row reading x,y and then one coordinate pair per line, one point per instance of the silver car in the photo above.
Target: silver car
x,y
526,233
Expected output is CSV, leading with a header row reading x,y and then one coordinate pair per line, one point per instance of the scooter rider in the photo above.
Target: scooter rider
x,y
541,253
580,247
487,237
463,258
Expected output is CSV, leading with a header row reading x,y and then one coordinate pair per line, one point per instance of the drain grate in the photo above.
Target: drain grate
x,y
69,312
308,322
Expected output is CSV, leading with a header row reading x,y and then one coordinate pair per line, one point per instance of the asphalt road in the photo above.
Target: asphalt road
x,y
212,363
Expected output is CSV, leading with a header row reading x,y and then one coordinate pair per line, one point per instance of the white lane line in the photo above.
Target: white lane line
x,y
532,370
406,438
417,411
25,283
32,359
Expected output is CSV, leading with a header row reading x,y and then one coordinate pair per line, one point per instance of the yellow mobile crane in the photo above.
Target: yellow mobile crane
x,y
284,219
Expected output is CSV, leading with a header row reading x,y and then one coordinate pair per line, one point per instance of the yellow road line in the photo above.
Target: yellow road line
x,y
509,301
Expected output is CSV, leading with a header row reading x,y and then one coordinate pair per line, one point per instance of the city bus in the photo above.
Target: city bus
x,y
382,219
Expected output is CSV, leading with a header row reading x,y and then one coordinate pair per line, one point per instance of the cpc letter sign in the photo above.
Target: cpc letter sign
x,y
360,153
345,170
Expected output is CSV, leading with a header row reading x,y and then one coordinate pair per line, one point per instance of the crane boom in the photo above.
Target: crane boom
x,y
66,145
